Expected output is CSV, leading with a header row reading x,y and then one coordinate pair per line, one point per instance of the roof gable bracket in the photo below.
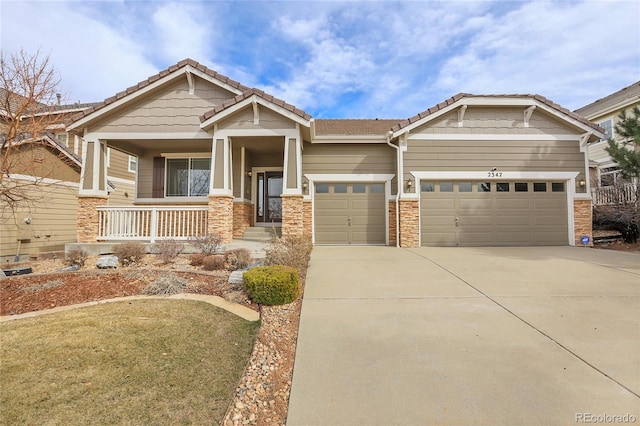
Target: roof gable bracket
x,y
461,112
256,111
584,139
527,114
191,81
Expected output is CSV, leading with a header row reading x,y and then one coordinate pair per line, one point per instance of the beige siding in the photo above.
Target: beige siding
x,y
348,158
529,156
39,160
145,176
172,109
485,120
119,165
53,222
123,195
598,153
268,119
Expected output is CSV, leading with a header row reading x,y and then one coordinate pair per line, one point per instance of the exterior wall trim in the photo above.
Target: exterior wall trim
x,y
493,137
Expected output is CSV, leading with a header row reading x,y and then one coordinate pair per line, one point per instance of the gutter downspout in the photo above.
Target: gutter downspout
x,y
399,183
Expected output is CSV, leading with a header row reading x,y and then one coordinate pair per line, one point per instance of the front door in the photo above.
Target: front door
x,y
269,203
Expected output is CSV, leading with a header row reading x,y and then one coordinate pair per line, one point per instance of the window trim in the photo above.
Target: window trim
x,y
166,176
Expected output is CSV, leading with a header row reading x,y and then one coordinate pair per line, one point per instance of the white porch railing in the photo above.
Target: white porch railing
x,y
617,194
151,223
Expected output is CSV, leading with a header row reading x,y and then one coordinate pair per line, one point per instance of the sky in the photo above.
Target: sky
x,y
340,59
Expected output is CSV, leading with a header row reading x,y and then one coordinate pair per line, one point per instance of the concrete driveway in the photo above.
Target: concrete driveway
x,y
462,336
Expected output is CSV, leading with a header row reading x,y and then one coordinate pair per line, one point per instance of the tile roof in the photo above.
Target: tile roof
x,y
349,127
459,96
628,93
249,93
154,78
15,101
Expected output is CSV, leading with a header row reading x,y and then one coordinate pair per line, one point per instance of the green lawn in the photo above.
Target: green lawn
x,y
142,362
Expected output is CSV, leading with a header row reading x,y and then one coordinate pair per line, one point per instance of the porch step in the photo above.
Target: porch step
x,y
258,233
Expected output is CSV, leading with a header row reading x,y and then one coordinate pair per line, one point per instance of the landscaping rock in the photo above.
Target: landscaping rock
x,y
107,262
236,277
2,275
69,268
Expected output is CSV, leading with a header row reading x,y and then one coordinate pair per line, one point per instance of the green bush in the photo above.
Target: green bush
x,y
272,285
237,259
130,253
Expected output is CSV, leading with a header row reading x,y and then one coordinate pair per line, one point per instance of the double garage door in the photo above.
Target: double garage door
x,y
473,213
349,213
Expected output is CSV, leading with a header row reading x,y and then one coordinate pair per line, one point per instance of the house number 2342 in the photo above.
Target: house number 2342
x,y
495,174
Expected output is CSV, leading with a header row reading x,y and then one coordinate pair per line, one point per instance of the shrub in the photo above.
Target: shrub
x,y
197,259
237,259
272,285
168,250
166,284
294,251
207,244
129,253
214,262
76,257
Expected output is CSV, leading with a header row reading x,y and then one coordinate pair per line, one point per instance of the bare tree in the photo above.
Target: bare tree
x,y
28,97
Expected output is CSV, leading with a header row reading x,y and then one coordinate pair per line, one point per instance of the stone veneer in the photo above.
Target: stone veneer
x,y
307,227
582,220
220,218
88,219
392,223
409,223
242,218
292,215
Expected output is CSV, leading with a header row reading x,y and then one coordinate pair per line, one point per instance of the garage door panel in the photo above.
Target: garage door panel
x,y
494,218
350,217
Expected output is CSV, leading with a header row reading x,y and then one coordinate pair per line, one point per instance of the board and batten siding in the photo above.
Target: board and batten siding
x,y
53,221
171,109
268,119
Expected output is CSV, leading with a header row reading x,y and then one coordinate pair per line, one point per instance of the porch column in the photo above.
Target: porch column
x,y
582,221
292,215
220,217
292,171
93,189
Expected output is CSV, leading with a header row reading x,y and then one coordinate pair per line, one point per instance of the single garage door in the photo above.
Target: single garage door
x,y
493,213
349,213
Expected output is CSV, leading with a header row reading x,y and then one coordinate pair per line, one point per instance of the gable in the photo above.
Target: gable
x,y
170,108
266,119
495,120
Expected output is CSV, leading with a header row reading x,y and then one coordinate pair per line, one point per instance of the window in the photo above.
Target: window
x,y
340,188
502,187
133,163
359,188
557,187
539,187
465,187
188,177
322,188
446,186
607,125
484,187
376,188
521,187
62,137
427,187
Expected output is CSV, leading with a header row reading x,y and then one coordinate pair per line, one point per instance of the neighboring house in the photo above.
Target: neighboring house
x,y
48,168
216,156
606,185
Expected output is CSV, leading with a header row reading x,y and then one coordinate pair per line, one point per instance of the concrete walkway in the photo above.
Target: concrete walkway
x,y
466,336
